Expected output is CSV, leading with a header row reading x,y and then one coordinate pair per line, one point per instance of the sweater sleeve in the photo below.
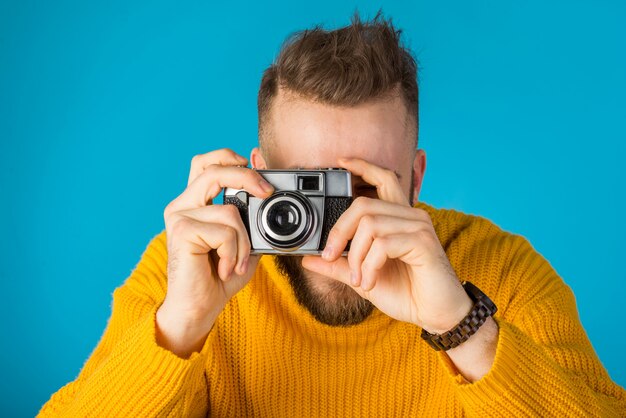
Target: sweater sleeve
x,y
128,374
544,363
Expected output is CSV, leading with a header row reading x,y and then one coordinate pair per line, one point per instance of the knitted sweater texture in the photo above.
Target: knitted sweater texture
x,y
267,356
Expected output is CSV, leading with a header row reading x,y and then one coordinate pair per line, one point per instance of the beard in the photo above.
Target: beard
x,y
329,301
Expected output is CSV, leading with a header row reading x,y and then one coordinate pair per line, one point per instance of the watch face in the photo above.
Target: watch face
x,y
476,294
472,290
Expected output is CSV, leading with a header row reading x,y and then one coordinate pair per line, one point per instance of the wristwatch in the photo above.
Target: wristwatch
x,y
483,308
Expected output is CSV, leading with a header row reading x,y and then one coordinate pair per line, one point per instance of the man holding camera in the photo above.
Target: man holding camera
x,y
399,323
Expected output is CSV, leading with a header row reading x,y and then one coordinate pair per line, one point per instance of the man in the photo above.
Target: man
x,y
202,326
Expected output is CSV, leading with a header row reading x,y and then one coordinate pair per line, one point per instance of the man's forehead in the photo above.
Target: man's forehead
x,y
381,116
307,134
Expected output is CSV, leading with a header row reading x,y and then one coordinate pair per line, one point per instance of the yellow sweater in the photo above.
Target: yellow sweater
x,y
267,356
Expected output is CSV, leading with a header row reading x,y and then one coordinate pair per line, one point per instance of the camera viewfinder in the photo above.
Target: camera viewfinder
x,y
309,183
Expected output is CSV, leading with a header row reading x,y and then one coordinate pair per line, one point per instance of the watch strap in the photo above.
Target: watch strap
x,y
483,308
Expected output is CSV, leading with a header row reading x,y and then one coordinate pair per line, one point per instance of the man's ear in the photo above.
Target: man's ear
x,y
257,160
419,168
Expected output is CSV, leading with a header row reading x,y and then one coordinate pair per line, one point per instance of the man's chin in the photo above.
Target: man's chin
x,y
329,301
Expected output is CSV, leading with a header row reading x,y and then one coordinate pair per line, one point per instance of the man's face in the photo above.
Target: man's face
x,y
301,133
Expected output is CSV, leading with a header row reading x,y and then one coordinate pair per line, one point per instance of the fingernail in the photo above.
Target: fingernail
x,y
244,266
267,188
328,252
353,278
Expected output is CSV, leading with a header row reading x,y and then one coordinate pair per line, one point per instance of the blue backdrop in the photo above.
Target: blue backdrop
x,y
103,105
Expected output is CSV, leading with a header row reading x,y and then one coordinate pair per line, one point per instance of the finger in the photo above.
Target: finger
x,y
338,270
386,181
359,247
347,224
223,156
211,182
226,215
371,227
373,263
397,246
250,264
199,238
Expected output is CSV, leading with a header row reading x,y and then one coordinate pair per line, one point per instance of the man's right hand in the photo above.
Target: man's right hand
x,y
208,250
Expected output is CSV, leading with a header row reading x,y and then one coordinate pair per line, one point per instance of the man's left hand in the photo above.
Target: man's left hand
x,y
395,259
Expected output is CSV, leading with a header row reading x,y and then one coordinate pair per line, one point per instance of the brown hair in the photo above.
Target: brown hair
x,y
343,67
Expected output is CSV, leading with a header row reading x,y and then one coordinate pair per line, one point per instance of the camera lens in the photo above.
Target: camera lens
x,y
283,218
286,220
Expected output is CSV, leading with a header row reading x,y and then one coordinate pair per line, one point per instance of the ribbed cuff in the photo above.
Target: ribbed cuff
x,y
147,334
140,378
498,375
519,381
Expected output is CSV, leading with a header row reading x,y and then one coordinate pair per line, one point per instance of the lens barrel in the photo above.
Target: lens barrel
x,y
286,220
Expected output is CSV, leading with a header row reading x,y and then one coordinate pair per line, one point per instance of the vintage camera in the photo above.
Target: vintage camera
x,y
298,216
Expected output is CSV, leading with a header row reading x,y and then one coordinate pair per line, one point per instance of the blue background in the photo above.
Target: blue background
x,y
102,107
